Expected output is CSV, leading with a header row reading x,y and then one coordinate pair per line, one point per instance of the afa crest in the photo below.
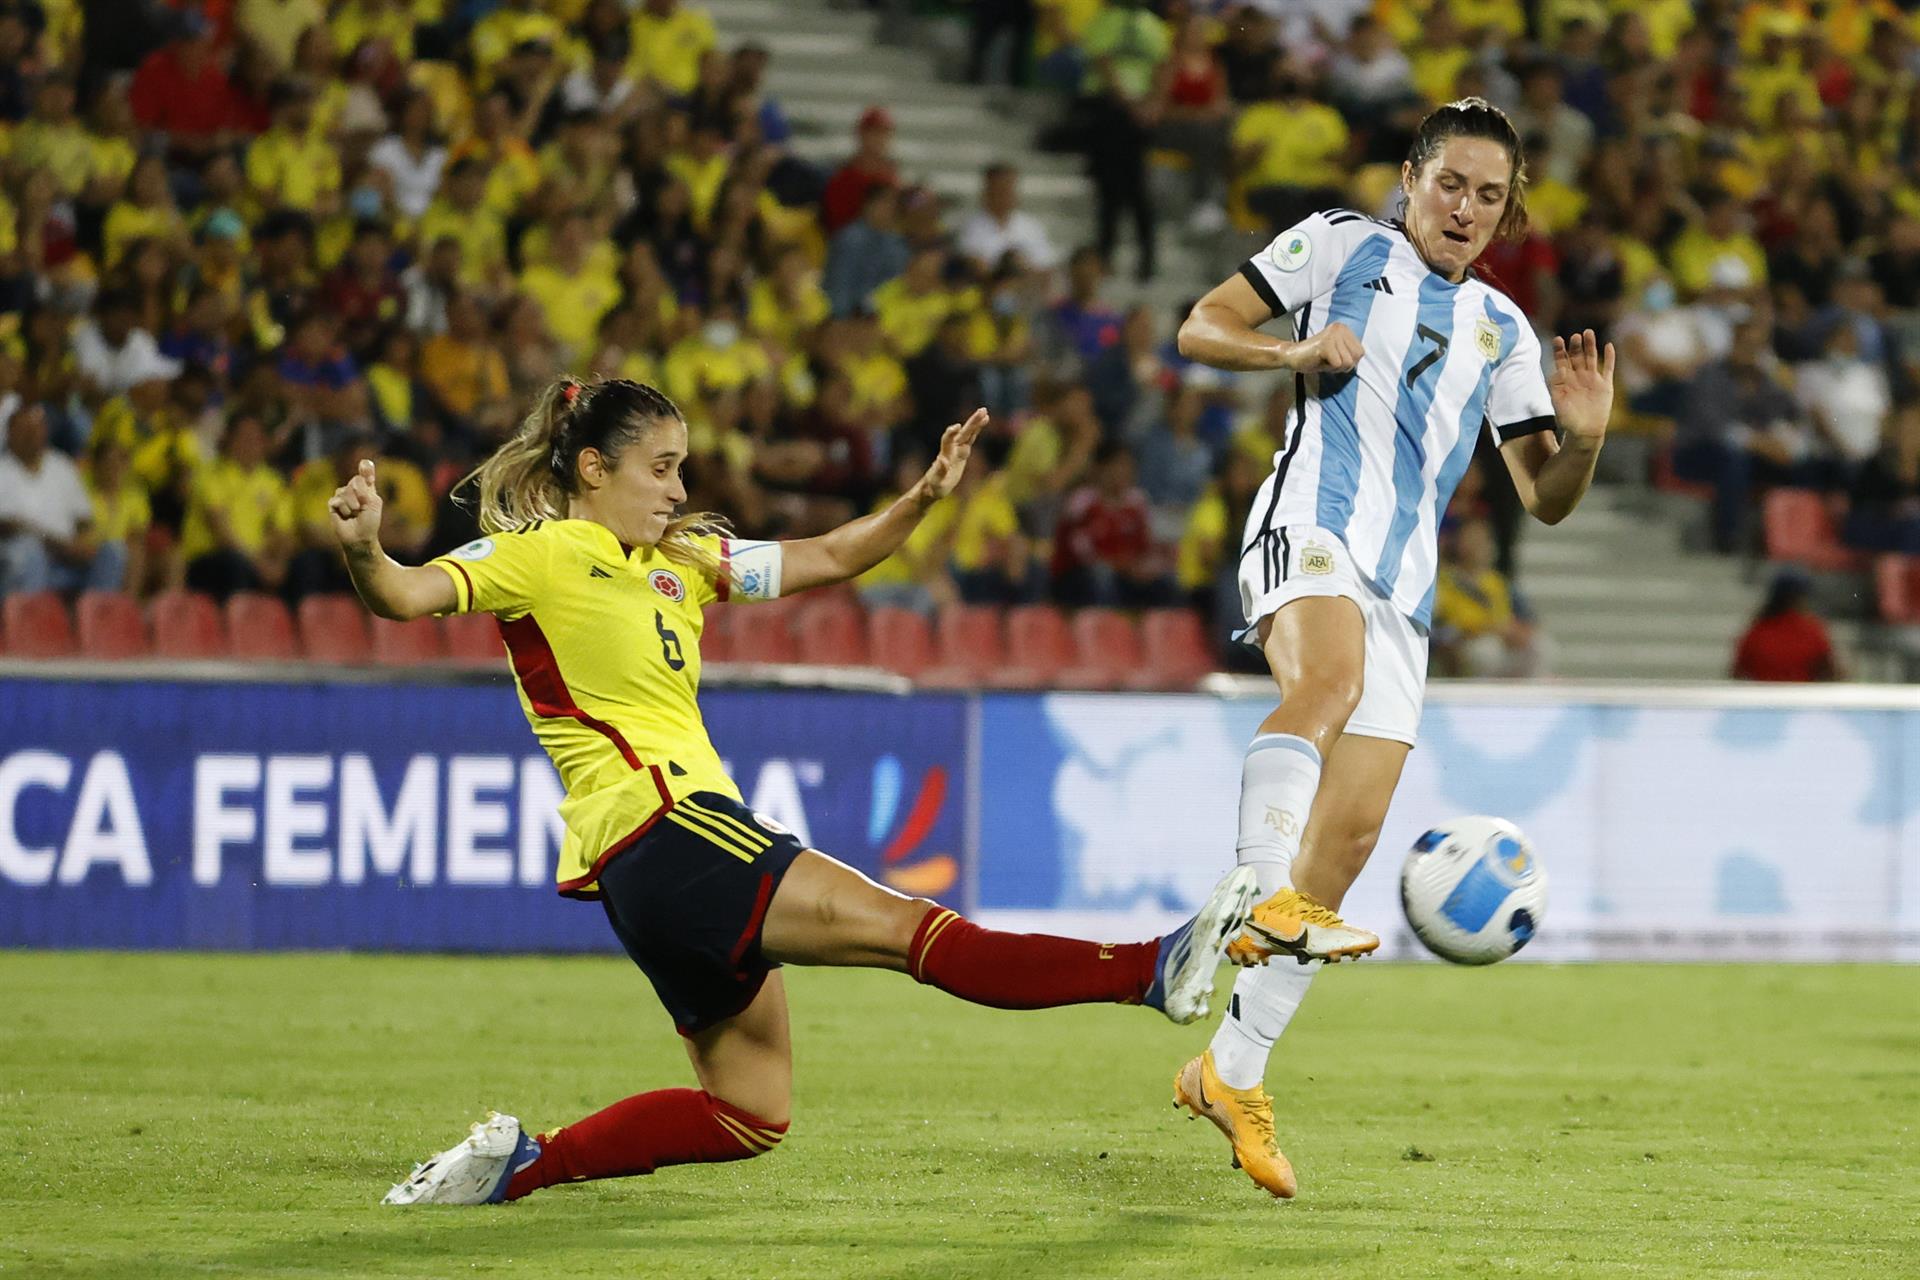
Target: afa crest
x,y
1315,559
1486,336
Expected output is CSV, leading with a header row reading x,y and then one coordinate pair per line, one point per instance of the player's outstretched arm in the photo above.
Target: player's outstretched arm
x,y
390,589
1552,476
1223,331
858,545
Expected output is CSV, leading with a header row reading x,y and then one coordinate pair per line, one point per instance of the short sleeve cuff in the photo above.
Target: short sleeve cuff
x,y
1527,427
1251,274
462,585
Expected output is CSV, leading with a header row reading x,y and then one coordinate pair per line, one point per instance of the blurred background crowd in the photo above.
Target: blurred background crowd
x,y
246,243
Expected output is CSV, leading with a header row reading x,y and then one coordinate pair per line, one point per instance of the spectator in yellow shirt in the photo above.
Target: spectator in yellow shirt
x,y
571,292
274,26
992,560
392,21
914,576
513,24
461,211
52,140
287,166
237,530
788,304
1291,152
715,357
1477,630
464,371
911,305
147,213
1717,252
669,39
406,522
121,511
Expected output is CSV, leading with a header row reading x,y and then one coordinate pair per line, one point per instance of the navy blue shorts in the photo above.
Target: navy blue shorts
x,y
688,899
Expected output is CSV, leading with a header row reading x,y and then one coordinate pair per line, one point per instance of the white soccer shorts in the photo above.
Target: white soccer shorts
x,y
1304,560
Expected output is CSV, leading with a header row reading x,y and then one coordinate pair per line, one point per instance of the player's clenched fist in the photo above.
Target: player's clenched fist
x,y
355,507
1332,350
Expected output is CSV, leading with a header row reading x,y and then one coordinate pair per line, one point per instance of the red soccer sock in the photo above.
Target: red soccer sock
x,y
1026,970
646,1132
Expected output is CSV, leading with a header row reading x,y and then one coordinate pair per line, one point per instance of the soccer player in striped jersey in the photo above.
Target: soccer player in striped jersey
x,y
600,590
1400,357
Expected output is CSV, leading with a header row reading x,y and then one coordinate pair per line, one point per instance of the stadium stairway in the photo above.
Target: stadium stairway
x,y
828,65
1614,587
1622,597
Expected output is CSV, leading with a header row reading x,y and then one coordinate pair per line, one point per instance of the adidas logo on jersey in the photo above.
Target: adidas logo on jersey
x,y
595,571
1379,286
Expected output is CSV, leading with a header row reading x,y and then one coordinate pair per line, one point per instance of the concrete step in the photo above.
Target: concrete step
x,y
738,18
1618,629
1651,660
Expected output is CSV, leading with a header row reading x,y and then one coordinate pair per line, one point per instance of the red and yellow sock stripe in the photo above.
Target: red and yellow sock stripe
x,y
756,1137
938,921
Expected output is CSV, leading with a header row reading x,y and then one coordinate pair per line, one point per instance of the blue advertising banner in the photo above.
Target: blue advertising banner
x,y
148,813
1672,823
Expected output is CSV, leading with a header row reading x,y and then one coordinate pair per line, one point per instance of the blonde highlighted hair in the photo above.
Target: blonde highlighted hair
x,y
536,472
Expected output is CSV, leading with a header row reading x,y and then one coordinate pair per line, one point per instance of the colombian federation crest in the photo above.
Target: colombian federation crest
x,y
1486,336
668,584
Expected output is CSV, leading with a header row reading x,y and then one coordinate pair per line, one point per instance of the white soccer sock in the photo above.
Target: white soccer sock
x,y
1278,780
1264,1002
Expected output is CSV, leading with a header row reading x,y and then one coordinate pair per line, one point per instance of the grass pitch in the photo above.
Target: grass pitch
x,y
170,1116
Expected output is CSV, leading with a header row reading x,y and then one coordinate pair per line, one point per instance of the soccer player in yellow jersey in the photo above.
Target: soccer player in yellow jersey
x,y
600,589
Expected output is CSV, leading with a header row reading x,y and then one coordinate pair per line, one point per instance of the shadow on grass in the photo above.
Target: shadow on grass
x,y
666,1238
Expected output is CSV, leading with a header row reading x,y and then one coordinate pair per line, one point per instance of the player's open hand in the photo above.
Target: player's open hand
x,y
1582,386
355,507
1334,349
956,446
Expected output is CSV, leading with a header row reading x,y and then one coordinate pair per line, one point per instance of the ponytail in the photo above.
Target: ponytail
x,y
534,474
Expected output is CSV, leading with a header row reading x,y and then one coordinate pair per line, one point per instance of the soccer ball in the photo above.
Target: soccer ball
x,y
1473,891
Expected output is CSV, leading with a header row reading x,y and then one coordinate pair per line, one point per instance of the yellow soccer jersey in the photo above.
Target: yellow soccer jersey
x,y
605,644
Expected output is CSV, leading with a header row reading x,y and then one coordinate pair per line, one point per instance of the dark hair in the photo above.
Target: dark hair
x,y
1478,118
1789,591
532,475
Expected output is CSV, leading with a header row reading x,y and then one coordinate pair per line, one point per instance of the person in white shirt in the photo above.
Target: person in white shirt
x,y
46,518
113,352
999,226
1846,396
411,156
1402,359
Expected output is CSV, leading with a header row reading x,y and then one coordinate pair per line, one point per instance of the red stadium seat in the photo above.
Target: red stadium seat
x,y
901,641
407,644
186,624
111,627
259,627
716,637
1800,527
473,638
764,632
968,645
1176,650
333,628
1106,651
1896,581
36,626
1039,647
831,633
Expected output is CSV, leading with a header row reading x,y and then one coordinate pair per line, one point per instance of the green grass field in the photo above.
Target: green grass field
x,y
182,1115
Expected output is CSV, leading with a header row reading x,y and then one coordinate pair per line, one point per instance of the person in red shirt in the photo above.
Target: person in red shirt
x,y
1103,548
1787,641
872,165
182,90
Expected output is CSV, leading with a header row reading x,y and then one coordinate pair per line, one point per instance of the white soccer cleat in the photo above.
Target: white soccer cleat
x,y
1190,955
474,1172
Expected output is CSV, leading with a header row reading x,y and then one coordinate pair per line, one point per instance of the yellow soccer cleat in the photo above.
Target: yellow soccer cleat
x,y
1292,923
1244,1115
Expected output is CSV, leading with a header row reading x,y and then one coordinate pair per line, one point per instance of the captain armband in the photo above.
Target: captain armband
x,y
755,567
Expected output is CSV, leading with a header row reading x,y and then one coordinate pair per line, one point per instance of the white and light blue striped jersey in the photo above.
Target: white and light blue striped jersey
x,y
1373,455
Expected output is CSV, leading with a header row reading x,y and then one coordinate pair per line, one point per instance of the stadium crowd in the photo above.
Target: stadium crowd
x,y
246,243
